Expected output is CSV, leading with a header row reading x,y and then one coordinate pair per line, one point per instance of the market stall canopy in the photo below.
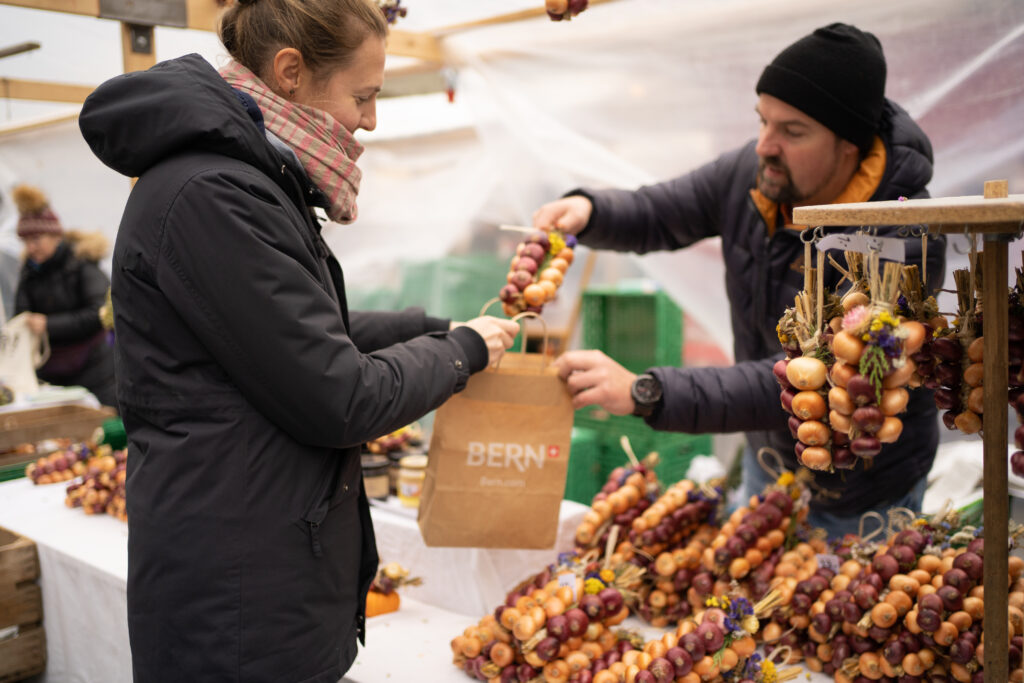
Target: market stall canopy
x,y
626,93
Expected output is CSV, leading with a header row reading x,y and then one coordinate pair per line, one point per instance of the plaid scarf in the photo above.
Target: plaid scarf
x,y
324,147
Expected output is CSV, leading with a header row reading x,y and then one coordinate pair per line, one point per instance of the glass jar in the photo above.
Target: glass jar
x,y
375,476
412,472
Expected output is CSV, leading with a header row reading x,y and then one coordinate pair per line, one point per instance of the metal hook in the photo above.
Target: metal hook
x,y
905,231
819,233
807,235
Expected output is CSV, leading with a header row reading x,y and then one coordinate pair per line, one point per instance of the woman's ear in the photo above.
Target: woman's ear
x,y
288,68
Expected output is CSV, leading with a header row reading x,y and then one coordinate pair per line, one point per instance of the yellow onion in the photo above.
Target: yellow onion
x,y
890,430
806,373
808,405
894,401
847,348
914,336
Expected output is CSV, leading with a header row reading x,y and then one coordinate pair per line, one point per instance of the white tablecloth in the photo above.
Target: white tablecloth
x,y
84,568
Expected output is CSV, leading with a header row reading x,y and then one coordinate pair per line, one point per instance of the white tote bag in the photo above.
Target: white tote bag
x,y
21,352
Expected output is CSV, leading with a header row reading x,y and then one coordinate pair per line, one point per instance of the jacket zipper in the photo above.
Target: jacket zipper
x,y
316,514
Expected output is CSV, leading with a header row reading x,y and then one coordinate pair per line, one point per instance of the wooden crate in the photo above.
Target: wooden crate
x,y
53,422
19,562
23,656
21,605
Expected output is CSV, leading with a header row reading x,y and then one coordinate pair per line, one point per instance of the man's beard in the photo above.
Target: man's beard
x,y
780,192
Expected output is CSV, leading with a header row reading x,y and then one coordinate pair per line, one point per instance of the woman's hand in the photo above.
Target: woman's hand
x,y
498,334
595,379
568,214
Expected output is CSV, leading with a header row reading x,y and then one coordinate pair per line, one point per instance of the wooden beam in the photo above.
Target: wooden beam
x,y
11,129
87,7
530,13
18,89
203,14
418,45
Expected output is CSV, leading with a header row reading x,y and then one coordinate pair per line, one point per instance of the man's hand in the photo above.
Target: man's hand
x,y
595,379
36,323
569,214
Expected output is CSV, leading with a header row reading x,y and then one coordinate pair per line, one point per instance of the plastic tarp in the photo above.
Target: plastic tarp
x,y
627,93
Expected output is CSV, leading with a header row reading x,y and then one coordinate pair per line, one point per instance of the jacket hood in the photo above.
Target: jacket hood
x,y
909,161
134,121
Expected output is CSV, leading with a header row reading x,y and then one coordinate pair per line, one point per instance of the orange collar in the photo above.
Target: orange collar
x,y
860,189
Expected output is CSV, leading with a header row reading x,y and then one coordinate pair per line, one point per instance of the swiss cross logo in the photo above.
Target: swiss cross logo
x,y
553,451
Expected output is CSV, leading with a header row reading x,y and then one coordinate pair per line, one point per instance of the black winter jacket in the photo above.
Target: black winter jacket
x,y
761,282
69,289
246,387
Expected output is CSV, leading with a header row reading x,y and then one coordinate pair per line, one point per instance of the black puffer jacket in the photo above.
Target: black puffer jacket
x,y
246,388
69,289
762,277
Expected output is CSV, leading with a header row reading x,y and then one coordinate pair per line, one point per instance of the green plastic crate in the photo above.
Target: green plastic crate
x,y
584,478
636,326
14,470
676,450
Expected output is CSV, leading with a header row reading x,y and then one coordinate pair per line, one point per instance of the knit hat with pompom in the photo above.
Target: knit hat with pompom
x,y
36,216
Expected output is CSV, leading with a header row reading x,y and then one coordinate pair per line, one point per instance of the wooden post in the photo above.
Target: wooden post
x,y
996,501
138,48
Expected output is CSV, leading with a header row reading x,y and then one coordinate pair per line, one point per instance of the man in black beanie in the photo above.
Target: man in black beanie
x,y
827,135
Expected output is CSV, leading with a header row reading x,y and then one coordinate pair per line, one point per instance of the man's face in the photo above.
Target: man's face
x,y
801,162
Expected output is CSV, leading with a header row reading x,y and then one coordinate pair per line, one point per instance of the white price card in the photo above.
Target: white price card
x,y
888,248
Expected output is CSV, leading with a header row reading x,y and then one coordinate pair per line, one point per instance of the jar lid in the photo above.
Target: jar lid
x,y
414,461
375,462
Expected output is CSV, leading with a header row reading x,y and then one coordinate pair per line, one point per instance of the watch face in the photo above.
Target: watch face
x,y
646,389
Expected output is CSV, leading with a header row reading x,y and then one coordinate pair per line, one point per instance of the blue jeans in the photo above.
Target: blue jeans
x,y
755,478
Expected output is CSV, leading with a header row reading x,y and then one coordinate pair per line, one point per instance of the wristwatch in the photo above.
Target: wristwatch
x,y
646,394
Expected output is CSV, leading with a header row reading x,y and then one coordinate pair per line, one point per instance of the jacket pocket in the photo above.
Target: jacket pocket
x,y
321,500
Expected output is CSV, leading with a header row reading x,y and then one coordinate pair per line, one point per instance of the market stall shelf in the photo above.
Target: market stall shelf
x,y
999,217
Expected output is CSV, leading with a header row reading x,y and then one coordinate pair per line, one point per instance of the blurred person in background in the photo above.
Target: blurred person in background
x,y
62,289
246,384
827,135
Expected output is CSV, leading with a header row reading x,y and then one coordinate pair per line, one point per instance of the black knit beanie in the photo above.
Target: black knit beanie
x,y
836,76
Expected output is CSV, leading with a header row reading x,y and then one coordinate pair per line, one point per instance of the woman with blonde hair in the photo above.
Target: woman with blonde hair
x,y
246,384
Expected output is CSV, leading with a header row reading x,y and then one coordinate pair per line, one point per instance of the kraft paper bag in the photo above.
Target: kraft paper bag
x,y
499,454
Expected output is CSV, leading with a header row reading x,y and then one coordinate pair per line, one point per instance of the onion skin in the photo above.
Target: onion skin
x,y
894,401
806,373
974,374
947,348
976,400
839,400
915,336
816,458
946,399
861,390
866,446
841,373
853,299
868,419
786,397
839,422
976,350
968,422
890,430
779,370
899,376
814,433
847,347
809,405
